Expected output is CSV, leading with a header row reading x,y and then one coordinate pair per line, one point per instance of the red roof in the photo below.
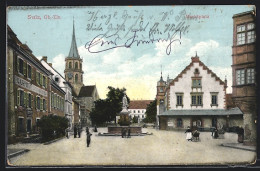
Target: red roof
x,y
139,104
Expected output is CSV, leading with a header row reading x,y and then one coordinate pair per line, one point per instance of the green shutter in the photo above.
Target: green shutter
x,y
41,101
18,97
24,68
32,101
46,82
25,99
37,78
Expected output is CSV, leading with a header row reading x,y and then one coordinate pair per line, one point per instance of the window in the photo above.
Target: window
x,y
134,111
44,104
250,75
29,70
250,36
69,64
20,65
76,78
21,98
56,79
161,89
52,99
29,100
38,78
76,65
240,77
20,125
245,33
196,83
80,65
179,122
241,38
38,103
196,99
43,81
138,111
142,116
81,78
179,97
214,99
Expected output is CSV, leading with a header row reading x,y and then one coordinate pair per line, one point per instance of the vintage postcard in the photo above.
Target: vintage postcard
x,y
131,85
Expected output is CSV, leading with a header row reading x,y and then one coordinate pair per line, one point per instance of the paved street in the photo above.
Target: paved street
x,y
161,148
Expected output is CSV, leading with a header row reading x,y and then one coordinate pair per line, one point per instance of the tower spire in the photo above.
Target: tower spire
x,y
73,48
161,74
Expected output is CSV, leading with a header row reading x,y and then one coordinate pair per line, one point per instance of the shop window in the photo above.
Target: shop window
x,y
179,122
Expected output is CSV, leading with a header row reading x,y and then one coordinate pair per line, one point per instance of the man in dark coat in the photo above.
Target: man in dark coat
x,y
216,133
88,139
128,132
75,131
79,131
87,130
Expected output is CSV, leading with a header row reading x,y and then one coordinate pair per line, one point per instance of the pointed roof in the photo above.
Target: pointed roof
x,y
86,91
73,48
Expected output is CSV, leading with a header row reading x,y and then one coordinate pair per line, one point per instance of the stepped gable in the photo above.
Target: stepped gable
x,y
193,60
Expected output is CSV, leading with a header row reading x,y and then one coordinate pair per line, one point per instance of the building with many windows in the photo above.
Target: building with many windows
x,y
243,69
196,98
28,86
137,108
60,102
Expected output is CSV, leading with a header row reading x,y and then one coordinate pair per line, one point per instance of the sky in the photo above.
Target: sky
x,y
129,46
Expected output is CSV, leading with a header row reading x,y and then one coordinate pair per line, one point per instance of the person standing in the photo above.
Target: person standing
x,y
87,130
88,139
75,131
216,133
128,132
79,131
67,132
213,131
189,135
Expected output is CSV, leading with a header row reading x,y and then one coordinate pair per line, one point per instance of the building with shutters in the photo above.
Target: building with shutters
x,y
196,98
28,84
60,93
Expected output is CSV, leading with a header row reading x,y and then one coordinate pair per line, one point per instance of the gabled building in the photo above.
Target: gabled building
x,y
86,98
243,69
137,108
196,98
28,86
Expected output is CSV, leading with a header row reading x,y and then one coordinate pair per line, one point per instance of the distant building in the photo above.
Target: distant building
x,y
86,98
196,98
28,86
76,110
243,69
59,80
137,108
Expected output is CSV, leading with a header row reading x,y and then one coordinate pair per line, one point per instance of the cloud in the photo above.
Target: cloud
x,y
58,63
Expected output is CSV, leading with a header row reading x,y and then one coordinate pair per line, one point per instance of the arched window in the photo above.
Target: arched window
x,y
76,78
76,65
70,65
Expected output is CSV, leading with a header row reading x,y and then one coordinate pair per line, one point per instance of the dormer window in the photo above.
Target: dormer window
x,y
56,79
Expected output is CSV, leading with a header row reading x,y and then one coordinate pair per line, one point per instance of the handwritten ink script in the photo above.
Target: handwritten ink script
x,y
126,29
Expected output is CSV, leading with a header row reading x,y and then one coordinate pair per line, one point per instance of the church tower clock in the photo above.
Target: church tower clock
x,y
73,69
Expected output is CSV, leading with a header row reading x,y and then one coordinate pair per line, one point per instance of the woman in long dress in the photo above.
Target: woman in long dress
x,y
189,134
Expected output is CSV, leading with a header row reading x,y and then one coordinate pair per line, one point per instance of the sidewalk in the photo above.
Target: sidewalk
x,y
240,146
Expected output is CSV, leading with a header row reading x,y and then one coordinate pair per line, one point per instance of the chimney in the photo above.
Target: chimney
x,y
50,64
195,59
44,58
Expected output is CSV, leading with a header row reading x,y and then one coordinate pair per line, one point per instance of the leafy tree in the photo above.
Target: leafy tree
x,y
135,119
50,123
151,112
107,109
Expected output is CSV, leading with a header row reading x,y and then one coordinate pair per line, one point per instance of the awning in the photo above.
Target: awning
x,y
204,112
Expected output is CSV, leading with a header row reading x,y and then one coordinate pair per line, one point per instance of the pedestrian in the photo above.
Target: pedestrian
x,y
216,133
129,132
75,131
213,131
189,135
122,132
95,129
88,139
79,131
87,130
67,132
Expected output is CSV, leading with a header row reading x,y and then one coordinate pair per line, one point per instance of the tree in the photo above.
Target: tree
x,y
151,112
107,109
135,119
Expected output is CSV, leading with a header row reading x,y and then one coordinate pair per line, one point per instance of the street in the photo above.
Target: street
x,y
161,148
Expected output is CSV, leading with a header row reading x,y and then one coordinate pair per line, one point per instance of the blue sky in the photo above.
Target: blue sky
x,y
136,68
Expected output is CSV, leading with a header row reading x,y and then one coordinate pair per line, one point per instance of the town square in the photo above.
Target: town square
x,y
121,86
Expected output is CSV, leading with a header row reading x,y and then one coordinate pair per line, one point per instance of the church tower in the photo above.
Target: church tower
x,y
73,69
161,87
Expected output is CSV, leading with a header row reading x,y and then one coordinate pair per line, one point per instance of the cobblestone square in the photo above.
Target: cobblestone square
x,y
161,148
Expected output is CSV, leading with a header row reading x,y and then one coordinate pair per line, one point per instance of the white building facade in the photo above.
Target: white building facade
x,y
196,98
65,86
137,108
